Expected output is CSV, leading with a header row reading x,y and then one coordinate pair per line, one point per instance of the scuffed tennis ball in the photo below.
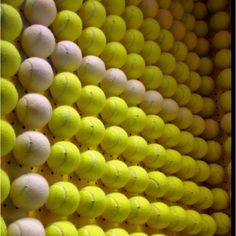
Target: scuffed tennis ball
x,y
92,230
59,228
64,198
5,185
64,157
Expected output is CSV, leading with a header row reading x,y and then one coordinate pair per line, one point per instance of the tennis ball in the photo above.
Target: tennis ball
x,y
132,2
8,137
189,20
184,118
31,148
117,232
223,223
116,174
155,157
160,216
188,168
211,130
3,227
152,102
115,140
133,17
92,41
220,21
176,189
114,28
67,25
69,5
150,29
41,12
64,157
199,10
66,56
114,55
225,101
114,82
170,136
203,46
191,193
133,41
91,166
190,40
223,79
193,81
91,131
178,219
151,52
164,18
149,8
10,59
186,142
140,210
221,39
92,201
151,77
181,72
201,29
205,68
64,198
195,103
225,122
135,120
165,40
178,30
59,228
26,226
29,191
177,10
164,4
199,148
91,70
166,63
193,61
92,100
205,200
138,180
92,230
14,3
38,41
169,110
218,5
202,173
229,170
223,59
5,185
158,184
134,66
65,122
217,174
65,88
114,7
209,107
179,51
194,222
198,125
214,151
168,86
34,110
208,225
9,17
35,74
138,234
9,96
220,199
117,207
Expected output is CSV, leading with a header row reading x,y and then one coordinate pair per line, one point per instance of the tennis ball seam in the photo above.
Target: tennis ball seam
x,y
63,27
92,198
59,229
91,167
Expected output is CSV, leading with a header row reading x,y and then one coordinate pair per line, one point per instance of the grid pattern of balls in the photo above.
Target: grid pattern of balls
x,y
115,117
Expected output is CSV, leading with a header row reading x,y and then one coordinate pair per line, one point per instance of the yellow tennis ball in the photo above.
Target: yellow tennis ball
x,y
151,52
200,29
178,30
169,110
194,222
223,79
62,227
191,193
91,166
186,143
221,39
205,200
179,51
194,81
166,63
164,18
5,185
217,174
14,3
114,55
114,7
149,8
165,40
8,137
206,66
195,103
178,220
92,41
177,10
211,129
93,230
225,101
199,148
3,227
92,100
193,61
221,199
181,72
184,118
133,17
209,107
168,86
150,29
67,25
214,151
199,10
220,21
203,46
198,125
117,232
226,122
189,20
9,17
208,225
10,59
190,40
223,223
164,4
216,5
69,5
223,59
133,2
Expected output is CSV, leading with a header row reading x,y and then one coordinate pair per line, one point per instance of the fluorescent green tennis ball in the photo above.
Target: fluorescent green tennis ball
x,y
115,140
138,180
92,165
199,148
91,131
221,199
29,191
92,100
178,218
9,17
168,86
5,185
188,168
117,208
160,216
186,142
65,88
67,25
217,174
133,17
114,28
165,40
117,232
202,173
184,118
195,103
8,137
116,174
150,29
92,41
135,120
154,127
60,228
158,184
151,52
68,5
134,66
166,63
92,13
92,201
223,223
140,210
9,96
64,157
191,193
194,222
10,59
3,227
92,230
205,200
136,149
155,157
179,50
64,198
65,122
114,7
14,3
224,79
194,81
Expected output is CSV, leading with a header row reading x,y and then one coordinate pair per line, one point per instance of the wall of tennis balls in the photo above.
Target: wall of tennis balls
x,y
115,117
